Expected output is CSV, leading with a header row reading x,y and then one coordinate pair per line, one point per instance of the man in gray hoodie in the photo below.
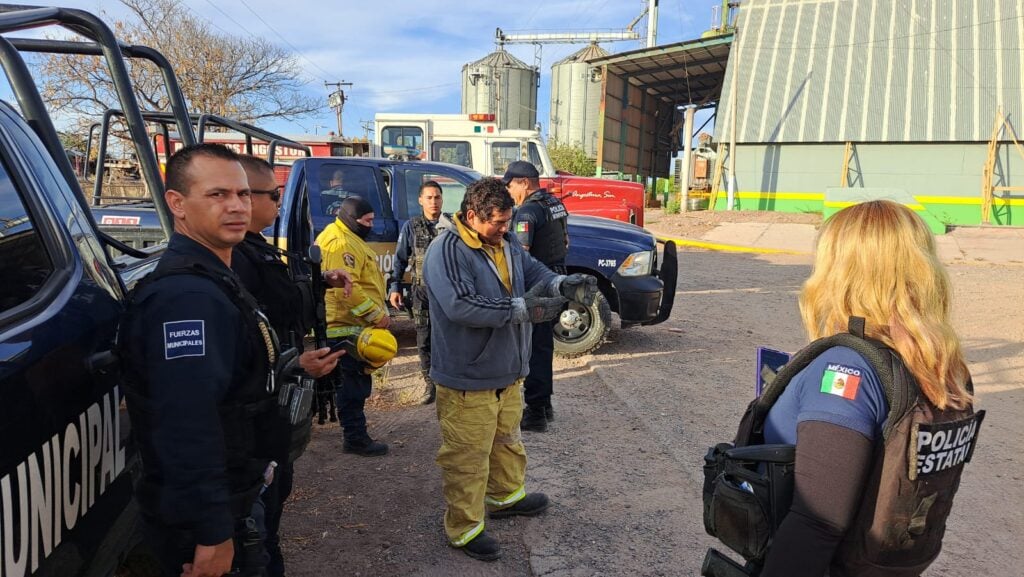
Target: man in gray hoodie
x,y
485,292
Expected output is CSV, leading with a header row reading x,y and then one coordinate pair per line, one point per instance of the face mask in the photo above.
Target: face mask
x,y
351,209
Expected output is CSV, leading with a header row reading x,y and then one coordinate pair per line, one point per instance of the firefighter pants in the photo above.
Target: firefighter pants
x,y
482,457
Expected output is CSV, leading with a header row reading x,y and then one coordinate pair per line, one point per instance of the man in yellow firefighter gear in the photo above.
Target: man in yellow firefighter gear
x,y
485,293
343,246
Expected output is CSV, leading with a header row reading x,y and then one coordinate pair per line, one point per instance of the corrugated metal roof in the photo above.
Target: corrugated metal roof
x,y
588,52
875,70
499,59
681,73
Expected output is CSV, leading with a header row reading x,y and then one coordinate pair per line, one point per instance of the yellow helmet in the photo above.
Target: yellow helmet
x,y
376,346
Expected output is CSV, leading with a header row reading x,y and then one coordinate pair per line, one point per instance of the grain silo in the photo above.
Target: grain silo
x,y
501,84
576,99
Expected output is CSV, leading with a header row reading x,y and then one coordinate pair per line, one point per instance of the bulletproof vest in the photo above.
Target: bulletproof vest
x,y
287,298
422,234
900,523
551,239
248,413
287,301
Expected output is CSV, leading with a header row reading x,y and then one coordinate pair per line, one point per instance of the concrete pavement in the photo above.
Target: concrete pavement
x,y
992,245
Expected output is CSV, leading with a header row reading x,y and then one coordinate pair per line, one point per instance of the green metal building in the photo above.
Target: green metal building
x,y
840,100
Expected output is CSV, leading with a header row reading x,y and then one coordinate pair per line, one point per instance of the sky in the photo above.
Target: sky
x,y
407,56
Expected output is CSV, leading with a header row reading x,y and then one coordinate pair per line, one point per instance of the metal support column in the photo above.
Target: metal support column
x,y
684,173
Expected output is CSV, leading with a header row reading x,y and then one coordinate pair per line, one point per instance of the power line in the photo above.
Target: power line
x,y
285,40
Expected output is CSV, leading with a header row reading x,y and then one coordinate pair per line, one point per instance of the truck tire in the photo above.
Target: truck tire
x,y
581,330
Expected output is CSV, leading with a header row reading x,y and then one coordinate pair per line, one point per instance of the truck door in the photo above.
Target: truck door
x,y
64,453
409,177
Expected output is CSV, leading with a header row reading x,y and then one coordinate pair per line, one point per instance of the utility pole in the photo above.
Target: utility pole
x,y
367,128
336,99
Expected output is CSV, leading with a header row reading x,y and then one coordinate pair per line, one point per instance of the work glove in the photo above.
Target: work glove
x,y
580,288
540,306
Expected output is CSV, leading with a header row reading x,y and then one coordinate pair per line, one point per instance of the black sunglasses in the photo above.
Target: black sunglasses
x,y
275,194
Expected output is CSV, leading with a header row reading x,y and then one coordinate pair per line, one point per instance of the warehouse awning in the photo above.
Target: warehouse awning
x,y
689,72
640,120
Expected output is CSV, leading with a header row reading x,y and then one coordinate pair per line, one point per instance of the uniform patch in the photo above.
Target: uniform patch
x,y
184,339
522,226
841,381
350,260
938,447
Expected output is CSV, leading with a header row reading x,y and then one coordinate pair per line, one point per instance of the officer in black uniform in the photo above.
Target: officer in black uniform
x,y
200,361
290,305
413,240
541,225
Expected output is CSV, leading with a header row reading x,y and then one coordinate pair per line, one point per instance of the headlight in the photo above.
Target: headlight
x,y
637,264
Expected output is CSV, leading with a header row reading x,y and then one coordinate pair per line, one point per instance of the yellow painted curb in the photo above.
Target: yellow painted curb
x,y
725,247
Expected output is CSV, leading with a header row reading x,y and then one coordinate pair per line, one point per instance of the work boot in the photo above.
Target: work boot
x,y
365,448
528,506
549,413
534,420
431,392
483,547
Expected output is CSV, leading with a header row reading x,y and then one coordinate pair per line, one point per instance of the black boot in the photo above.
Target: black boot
x,y
365,447
483,547
528,506
549,412
534,420
431,393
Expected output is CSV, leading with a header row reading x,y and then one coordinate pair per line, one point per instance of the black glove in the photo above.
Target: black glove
x,y
542,308
578,287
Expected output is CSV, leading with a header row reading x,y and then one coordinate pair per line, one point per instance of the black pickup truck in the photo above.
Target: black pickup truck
x,y
636,280
66,459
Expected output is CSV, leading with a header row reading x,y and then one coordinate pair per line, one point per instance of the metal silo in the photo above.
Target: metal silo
x,y
576,99
501,84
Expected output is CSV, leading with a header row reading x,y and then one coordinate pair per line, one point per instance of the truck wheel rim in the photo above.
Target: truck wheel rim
x,y
573,323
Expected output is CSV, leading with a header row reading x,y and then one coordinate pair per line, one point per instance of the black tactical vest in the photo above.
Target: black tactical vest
x,y
290,305
248,414
551,239
287,301
900,523
423,232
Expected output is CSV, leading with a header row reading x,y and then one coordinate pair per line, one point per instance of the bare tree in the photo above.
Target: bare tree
x,y
247,78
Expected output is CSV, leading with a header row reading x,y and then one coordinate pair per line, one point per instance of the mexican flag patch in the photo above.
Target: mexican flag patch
x,y
841,381
522,226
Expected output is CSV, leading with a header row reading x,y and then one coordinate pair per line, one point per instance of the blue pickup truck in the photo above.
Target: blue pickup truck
x,y
637,281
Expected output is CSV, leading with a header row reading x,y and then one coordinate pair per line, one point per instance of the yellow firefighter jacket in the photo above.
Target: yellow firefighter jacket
x,y
342,248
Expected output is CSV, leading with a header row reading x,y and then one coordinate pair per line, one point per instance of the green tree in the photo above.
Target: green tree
x,y
247,78
571,158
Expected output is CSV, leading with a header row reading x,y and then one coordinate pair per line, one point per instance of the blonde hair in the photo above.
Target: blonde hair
x,y
877,260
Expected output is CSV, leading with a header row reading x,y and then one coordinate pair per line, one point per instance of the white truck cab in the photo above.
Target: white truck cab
x,y
471,140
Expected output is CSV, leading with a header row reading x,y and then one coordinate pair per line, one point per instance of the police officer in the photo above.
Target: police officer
x,y
290,307
199,362
413,241
864,504
540,224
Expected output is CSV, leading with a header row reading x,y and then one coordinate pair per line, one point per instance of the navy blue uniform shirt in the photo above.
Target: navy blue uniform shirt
x,y
187,341
839,387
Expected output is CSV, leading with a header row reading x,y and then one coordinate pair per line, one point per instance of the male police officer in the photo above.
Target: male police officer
x,y
199,360
290,306
413,241
540,223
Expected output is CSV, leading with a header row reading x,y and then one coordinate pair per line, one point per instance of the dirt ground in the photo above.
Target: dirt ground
x,y
622,460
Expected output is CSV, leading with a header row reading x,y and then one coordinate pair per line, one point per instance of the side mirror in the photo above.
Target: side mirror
x,y
315,256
